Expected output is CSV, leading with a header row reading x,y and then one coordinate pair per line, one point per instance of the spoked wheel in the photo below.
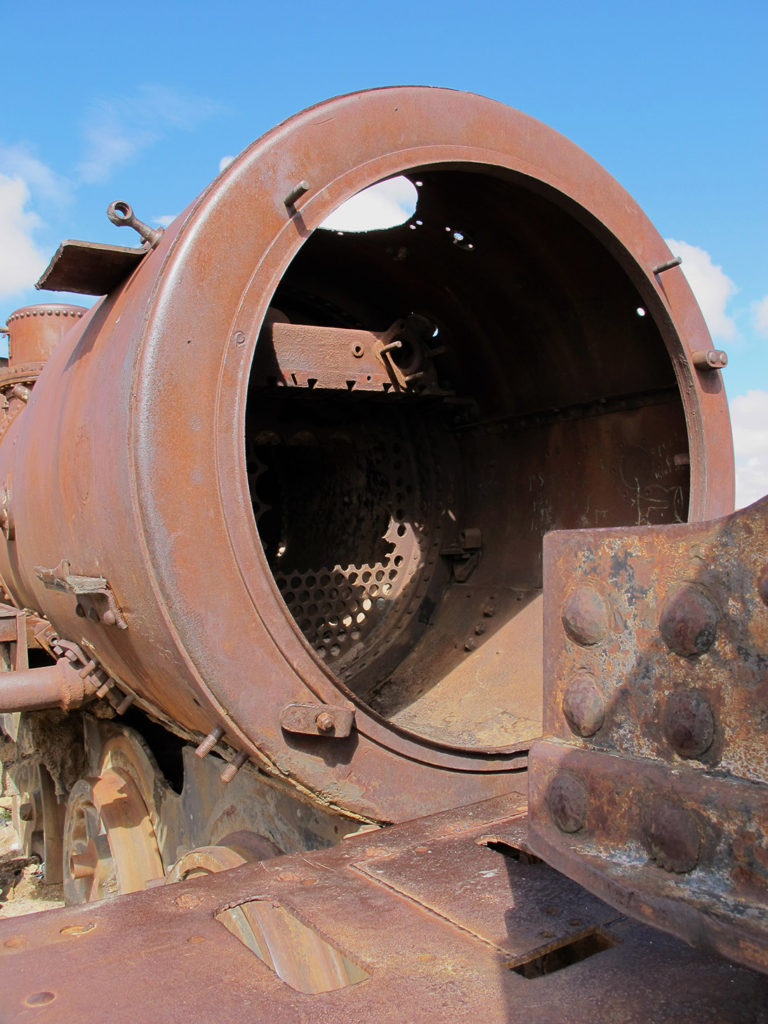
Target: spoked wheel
x,y
110,846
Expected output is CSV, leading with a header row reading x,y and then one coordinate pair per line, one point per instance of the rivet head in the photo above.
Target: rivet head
x,y
672,836
567,802
688,622
689,724
583,705
586,616
762,585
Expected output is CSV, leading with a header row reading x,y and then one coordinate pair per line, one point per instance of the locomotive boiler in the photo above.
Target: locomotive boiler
x,y
273,508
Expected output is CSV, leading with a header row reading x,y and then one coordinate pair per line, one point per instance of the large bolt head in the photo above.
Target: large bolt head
x,y
688,622
567,802
583,705
689,723
672,836
586,616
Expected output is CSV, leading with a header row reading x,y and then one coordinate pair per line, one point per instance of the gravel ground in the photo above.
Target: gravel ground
x,y
22,889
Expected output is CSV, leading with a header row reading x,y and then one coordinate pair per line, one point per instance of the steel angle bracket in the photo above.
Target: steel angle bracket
x,y
650,788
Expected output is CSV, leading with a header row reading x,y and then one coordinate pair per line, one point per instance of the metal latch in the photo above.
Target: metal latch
x,y
318,720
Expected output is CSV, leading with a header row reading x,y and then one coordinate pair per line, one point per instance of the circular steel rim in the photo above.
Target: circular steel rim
x,y
567,171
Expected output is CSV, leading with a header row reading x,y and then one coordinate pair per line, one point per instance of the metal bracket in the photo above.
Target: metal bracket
x,y
318,720
95,600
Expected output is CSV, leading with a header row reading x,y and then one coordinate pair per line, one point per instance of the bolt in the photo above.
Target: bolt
x,y
689,724
672,836
567,802
586,616
470,643
762,585
109,618
234,767
480,628
688,622
209,742
325,722
27,811
583,705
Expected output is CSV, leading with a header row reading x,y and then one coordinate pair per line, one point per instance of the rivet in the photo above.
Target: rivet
x,y
586,616
239,338
689,723
688,622
583,705
567,802
672,836
39,998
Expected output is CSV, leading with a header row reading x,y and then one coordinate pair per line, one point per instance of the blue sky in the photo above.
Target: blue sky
x,y
141,101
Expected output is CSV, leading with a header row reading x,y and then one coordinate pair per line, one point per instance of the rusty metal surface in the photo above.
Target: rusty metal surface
x,y
89,268
34,331
652,788
539,407
419,946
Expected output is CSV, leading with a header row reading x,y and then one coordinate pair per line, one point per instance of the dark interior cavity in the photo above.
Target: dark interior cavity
x,y
425,403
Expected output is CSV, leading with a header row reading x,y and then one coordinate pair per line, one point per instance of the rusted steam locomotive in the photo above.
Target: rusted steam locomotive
x,y
272,516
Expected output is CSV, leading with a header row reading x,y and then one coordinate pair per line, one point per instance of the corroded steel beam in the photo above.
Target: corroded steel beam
x,y
652,786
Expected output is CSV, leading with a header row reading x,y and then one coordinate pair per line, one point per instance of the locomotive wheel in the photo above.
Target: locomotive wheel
x,y
110,843
233,850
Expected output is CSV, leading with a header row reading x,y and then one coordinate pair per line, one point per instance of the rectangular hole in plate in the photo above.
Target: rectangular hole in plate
x,y
292,949
519,854
572,952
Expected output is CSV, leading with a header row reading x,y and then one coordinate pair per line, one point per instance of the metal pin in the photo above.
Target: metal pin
x,y
209,742
124,704
296,193
234,766
713,359
391,347
674,262
413,376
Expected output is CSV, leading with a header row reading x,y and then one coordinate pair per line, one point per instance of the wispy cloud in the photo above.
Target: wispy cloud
x,y
18,161
116,130
225,162
383,205
165,219
711,286
21,262
750,443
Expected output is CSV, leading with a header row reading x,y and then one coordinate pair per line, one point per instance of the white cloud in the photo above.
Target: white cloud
x,y
711,286
166,219
225,162
749,417
21,262
760,316
383,205
117,130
